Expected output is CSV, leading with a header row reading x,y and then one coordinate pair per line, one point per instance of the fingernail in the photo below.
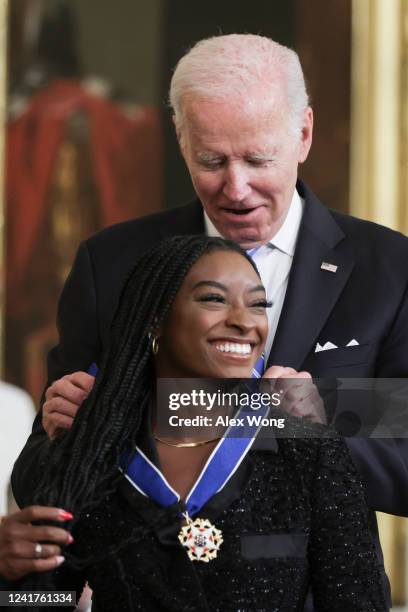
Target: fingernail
x,y
60,560
70,539
65,516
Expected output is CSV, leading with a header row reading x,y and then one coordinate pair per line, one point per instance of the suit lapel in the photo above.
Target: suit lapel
x,y
312,292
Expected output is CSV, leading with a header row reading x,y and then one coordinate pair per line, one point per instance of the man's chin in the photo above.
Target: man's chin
x,y
250,244
248,236
246,241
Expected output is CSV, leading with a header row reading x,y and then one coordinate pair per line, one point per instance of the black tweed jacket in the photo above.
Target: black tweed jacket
x,y
293,516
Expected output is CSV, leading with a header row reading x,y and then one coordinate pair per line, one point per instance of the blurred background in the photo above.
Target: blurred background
x,y
87,141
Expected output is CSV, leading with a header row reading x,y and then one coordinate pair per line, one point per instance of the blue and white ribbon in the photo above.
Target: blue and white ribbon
x,y
220,467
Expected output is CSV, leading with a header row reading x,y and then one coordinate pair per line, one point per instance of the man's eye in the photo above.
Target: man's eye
x,y
212,164
259,163
212,297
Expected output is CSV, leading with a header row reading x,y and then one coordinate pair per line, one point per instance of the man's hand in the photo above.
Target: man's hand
x,y
300,396
63,399
21,548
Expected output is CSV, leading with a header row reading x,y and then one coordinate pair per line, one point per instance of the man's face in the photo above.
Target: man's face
x,y
243,159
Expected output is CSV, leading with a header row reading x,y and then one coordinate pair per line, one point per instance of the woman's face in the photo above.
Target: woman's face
x,y
217,325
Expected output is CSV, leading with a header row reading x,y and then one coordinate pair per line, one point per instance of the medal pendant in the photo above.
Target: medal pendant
x,y
201,539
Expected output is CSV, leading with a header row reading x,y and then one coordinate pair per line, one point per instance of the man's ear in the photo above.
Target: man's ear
x,y
306,135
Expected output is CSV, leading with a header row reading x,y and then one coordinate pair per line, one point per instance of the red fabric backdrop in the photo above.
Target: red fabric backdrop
x,y
125,155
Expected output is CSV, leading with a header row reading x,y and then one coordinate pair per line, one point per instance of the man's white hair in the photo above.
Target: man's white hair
x,y
233,66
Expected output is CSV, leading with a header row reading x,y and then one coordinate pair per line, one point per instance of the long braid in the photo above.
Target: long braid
x,y
82,466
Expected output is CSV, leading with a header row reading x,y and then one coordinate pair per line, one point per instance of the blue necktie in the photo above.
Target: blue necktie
x,y
259,367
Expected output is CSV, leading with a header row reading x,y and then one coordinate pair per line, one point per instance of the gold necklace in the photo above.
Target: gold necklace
x,y
185,444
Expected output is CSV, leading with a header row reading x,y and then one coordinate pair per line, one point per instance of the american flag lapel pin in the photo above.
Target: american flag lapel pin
x,y
328,267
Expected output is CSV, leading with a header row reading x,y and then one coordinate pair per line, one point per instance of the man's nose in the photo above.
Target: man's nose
x,y
236,184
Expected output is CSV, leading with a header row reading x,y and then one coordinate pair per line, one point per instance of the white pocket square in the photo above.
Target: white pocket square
x,y
327,346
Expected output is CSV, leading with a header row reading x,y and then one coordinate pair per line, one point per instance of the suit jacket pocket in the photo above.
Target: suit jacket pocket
x,y
274,546
344,356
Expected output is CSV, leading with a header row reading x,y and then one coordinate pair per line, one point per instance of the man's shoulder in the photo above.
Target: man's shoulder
x,y
375,248
150,228
363,234
369,232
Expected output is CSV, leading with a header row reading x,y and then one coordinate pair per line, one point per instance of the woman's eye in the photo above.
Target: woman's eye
x,y
261,304
213,297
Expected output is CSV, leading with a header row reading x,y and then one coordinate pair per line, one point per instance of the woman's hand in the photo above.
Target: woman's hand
x,y
299,395
26,548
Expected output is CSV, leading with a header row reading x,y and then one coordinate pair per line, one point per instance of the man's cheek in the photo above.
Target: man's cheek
x,y
206,183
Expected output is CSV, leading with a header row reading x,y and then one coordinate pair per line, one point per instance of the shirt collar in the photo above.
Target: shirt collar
x,y
210,228
285,238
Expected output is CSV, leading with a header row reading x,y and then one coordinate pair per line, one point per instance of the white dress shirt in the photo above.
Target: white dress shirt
x,y
274,261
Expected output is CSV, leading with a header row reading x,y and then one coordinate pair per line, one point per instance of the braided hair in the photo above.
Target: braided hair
x,y
82,465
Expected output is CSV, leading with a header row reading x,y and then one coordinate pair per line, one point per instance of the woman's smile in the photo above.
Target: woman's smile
x,y
217,325
236,349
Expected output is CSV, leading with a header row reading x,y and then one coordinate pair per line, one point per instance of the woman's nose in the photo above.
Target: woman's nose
x,y
239,318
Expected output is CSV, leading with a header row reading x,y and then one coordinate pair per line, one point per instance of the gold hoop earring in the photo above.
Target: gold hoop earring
x,y
155,345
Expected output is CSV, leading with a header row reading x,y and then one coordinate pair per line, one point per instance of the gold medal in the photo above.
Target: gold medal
x,y
201,539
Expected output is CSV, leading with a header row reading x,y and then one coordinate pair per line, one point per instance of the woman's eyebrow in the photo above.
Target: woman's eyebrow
x,y
218,285
257,288
211,284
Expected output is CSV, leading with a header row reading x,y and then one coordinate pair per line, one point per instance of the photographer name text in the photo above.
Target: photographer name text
x,y
248,420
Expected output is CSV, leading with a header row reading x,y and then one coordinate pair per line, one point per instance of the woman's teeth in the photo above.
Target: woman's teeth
x,y
232,347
